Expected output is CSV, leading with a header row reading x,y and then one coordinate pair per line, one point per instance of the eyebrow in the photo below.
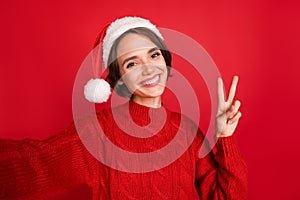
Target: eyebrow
x,y
133,57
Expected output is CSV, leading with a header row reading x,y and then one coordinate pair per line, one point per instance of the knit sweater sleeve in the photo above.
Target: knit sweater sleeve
x,y
33,169
222,175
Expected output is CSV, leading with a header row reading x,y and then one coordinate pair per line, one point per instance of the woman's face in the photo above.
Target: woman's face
x,y
142,68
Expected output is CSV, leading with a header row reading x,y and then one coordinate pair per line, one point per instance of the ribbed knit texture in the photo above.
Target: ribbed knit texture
x,y
32,169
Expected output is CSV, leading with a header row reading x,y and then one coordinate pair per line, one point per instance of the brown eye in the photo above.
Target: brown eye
x,y
131,64
156,54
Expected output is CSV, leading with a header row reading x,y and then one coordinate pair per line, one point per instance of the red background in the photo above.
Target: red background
x,y
44,42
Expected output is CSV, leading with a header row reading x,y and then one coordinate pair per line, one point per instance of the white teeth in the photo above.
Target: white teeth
x,y
152,80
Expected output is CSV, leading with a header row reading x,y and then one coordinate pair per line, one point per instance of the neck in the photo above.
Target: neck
x,y
149,102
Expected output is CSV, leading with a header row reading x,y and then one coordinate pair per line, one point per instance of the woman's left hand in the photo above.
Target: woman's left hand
x,y
228,113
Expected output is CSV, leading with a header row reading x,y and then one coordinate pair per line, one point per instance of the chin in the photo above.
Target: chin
x,y
155,95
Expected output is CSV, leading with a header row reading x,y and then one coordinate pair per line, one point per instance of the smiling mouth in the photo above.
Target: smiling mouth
x,y
151,82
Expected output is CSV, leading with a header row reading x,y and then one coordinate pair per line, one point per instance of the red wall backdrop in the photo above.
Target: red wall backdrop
x,y
44,42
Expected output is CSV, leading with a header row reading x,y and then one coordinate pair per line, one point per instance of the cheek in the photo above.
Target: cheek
x,y
162,64
164,69
130,78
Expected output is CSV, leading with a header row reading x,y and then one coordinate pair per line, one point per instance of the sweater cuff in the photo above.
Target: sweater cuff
x,y
227,147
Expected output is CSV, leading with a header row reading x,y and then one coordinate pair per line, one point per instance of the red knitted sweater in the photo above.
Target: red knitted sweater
x,y
31,169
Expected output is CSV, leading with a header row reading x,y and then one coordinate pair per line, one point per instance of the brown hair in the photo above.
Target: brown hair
x,y
113,66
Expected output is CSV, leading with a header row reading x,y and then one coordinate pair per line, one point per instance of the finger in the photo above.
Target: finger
x,y
233,109
221,98
236,117
232,89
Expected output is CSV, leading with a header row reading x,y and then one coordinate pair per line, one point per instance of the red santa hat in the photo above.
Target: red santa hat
x,y
97,90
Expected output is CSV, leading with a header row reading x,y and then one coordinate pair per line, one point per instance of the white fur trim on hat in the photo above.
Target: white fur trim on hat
x,y
97,90
118,27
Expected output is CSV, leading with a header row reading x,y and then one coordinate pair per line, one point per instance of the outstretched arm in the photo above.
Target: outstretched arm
x,y
32,169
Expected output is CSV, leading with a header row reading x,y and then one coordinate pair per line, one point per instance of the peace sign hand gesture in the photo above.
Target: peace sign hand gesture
x,y
228,113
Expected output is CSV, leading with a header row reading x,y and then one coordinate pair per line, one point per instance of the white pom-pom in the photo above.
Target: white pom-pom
x,y
97,91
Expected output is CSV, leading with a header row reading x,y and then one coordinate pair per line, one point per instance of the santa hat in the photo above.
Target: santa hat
x,y
97,90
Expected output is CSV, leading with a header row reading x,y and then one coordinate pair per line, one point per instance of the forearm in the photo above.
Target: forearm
x,y
232,169
32,168
224,175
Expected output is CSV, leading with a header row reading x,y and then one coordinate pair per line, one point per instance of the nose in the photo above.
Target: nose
x,y
147,67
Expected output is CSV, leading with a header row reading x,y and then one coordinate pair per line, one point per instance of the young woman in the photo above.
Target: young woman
x,y
138,65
